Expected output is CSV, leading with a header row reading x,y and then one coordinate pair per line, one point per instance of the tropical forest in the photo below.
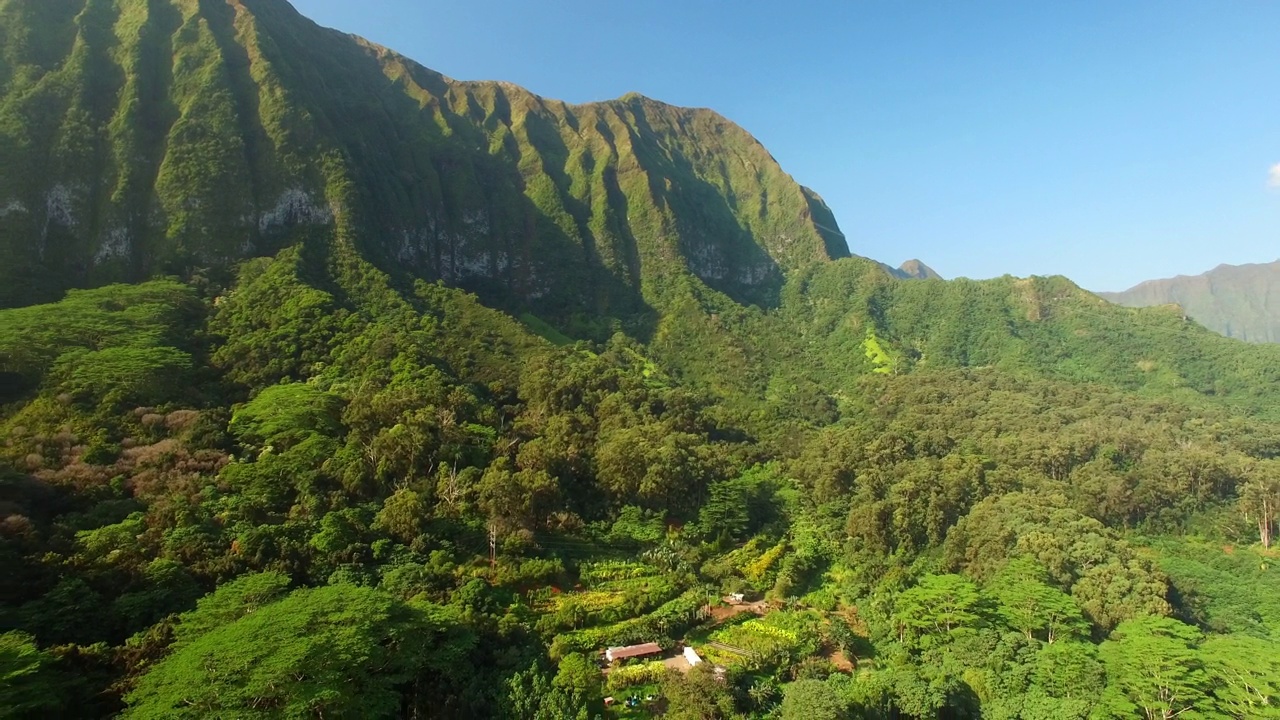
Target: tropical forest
x,y
332,387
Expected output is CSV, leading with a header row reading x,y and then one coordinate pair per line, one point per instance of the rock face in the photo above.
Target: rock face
x,y
147,137
1239,301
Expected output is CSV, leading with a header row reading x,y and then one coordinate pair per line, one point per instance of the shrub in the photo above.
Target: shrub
x,y
632,675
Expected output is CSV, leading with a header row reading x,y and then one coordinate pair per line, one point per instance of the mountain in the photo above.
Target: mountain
x,y
152,138
332,387
1239,301
913,270
146,138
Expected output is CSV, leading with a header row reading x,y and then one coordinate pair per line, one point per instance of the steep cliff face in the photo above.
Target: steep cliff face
x,y
1239,301
142,137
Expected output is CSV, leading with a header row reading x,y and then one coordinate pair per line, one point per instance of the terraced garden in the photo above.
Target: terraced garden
x,y
757,642
610,592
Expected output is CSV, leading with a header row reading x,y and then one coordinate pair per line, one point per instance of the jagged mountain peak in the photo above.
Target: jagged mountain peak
x,y
208,132
917,270
911,270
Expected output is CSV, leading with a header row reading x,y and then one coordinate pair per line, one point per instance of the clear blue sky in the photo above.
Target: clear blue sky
x,y
1111,142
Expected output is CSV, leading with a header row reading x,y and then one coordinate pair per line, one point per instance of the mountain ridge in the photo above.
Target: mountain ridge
x,y
266,128
1239,301
241,129
914,269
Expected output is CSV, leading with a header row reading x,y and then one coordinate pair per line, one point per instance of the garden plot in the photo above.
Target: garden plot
x,y
761,641
612,591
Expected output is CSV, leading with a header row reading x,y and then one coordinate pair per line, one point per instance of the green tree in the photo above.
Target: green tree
x,y
285,415
517,499
1069,670
812,700
1152,666
532,695
1244,674
402,515
1116,591
763,693
725,511
230,602
122,374
1026,602
328,652
70,612
697,695
29,687
939,605
1260,500
580,680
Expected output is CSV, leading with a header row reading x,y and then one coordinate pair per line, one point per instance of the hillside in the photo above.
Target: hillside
x,y
171,137
331,454
182,137
1239,301
333,387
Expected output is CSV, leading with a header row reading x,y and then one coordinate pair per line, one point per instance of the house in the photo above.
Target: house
x,y
632,651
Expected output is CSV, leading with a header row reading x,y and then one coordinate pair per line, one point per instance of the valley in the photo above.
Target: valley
x,y
333,387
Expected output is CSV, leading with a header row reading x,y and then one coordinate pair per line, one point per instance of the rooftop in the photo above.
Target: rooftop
x,y
630,651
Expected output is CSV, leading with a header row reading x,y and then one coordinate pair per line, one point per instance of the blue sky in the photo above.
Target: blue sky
x,y
1111,142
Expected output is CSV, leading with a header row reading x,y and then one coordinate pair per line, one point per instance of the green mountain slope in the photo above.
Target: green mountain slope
x,y
143,137
840,321
288,465
317,427
1239,301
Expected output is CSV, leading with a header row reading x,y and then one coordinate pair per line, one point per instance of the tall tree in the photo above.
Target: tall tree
x,y
329,652
1245,675
939,605
697,695
812,700
579,679
1152,667
1027,603
1260,499
29,688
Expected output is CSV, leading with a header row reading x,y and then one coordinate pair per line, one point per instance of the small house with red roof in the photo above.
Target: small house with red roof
x,y
632,651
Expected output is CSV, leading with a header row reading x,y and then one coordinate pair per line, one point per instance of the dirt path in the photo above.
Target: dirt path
x,y
720,613
841,662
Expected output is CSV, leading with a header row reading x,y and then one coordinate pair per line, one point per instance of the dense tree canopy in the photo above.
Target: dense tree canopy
x,y
334,651
433,511
300,470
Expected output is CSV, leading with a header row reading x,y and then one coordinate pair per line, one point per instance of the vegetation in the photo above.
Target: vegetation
x,y
181,136
995,541
310,475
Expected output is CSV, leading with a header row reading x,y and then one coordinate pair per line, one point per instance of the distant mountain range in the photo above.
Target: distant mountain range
x,y
1239,301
